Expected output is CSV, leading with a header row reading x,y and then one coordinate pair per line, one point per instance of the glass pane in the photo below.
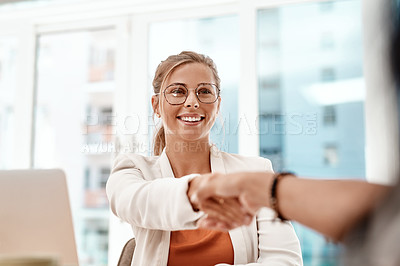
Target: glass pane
x,y
210,37
8,78
311,97
74,126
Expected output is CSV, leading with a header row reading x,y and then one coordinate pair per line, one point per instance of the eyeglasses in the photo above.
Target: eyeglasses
x,y
177,93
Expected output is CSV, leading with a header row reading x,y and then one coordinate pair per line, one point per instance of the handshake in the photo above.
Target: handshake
x,y
232,200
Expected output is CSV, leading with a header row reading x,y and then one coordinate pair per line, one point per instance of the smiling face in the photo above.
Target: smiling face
x,y
192,120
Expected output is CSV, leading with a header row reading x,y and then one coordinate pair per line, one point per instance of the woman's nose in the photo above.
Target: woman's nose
x,y
191,100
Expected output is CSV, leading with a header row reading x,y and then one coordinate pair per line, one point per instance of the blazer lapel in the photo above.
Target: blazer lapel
x,y
237,235
217,163
166,170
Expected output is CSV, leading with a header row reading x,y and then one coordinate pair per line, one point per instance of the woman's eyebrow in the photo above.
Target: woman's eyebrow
x,y
177,83
185,85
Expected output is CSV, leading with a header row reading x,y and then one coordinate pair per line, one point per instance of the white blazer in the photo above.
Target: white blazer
x,y
143,192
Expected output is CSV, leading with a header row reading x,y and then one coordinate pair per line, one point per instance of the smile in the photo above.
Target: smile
x,y
192,119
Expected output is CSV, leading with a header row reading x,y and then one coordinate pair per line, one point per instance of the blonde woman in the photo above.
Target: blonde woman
x,y
152,193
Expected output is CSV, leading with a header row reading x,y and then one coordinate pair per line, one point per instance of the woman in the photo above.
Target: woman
x,y
152,193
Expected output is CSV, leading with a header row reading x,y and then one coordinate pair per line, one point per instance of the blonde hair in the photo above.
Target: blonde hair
x,y
164,69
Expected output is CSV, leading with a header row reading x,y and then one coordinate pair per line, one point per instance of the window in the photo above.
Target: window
x,y
270,83
73,126
331,155
104,174
316,63
329,115
328,74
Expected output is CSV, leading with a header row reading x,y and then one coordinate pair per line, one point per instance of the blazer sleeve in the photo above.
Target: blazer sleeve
x,y
160,204
277,241
278,244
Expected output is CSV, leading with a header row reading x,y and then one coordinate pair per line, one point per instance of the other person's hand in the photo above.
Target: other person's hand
x,y
249,190
226,212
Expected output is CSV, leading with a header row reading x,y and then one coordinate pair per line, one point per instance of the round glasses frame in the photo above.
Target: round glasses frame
x,y
187,93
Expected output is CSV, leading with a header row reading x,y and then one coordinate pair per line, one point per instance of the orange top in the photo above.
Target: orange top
x,y
200,247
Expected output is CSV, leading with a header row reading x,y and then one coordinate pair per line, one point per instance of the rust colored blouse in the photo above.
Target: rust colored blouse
x,y
200,247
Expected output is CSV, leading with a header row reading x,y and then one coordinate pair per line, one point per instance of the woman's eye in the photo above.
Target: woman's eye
x,y
178,91
204,91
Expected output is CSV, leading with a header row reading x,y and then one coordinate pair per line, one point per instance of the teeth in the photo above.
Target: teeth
x,y
191,119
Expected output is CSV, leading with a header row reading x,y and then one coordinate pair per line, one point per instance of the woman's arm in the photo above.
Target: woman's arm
x,y
160,204
331,207
157,203
277,242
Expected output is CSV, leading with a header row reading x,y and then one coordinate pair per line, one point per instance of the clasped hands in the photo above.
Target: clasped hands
x,y
229,200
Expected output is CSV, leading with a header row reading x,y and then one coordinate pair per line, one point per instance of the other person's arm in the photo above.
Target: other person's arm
x,y
331,207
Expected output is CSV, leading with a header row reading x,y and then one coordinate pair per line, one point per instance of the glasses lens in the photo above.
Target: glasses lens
x,y
175,94
207,93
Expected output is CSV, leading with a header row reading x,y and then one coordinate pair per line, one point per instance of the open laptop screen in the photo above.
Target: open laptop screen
x,y
35,215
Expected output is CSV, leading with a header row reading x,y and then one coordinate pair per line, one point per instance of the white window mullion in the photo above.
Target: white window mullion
x,y
248,89
24,96
123,82
138,100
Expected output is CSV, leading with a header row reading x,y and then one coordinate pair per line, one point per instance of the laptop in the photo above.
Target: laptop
x,y
35,215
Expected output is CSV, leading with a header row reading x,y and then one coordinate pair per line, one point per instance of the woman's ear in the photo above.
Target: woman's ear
x,y
155,105
219,104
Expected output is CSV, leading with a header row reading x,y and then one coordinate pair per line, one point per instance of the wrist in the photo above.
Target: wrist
x,y
274,195
257,187
192,187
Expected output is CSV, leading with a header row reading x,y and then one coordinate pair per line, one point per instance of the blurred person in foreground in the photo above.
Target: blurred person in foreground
x,y
363,216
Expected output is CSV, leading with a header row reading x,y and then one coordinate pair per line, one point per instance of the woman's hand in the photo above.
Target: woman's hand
x,y
222,213
251,189
229,200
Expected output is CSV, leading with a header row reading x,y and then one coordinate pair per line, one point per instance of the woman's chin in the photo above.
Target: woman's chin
x,y
187,136
190,137
193,137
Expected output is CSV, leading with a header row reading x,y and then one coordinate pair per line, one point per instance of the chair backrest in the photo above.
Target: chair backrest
x,y
127,253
